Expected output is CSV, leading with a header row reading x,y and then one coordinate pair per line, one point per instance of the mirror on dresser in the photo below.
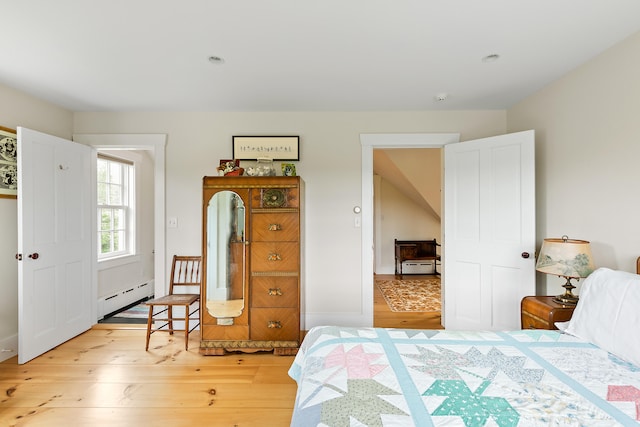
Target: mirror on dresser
x,y
226,256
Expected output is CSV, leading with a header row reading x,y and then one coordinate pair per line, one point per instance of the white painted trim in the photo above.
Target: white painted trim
x,y
155,143
369,142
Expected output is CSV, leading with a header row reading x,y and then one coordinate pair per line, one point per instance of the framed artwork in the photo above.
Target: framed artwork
x,y
8,163
275,147
288,169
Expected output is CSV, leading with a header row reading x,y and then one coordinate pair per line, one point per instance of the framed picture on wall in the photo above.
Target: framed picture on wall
x,y
8,163
275,147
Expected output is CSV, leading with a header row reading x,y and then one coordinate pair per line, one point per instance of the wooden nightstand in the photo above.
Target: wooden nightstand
x,y
541,312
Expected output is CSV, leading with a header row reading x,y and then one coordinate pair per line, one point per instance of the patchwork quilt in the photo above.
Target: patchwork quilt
x,y
395,377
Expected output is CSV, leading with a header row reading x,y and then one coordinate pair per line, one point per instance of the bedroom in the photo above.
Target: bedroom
x,y
587,151
575,186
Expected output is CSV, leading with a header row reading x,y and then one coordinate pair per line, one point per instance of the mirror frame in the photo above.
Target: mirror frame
x,y
242,321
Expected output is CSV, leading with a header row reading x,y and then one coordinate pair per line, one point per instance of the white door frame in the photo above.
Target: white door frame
x,y
155,144
369,142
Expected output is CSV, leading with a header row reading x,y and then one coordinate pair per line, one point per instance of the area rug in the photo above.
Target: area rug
x,y
140,311
417,295
135,314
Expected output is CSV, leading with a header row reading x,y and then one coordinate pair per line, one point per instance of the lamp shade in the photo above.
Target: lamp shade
x,y
565,257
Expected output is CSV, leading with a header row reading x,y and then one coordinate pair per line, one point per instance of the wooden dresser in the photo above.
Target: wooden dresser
x,y
541,312
251,291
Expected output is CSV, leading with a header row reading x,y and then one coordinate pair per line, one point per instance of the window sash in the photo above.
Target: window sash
x,y
114,209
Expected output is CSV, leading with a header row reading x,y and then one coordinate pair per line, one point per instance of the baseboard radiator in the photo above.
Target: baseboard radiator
x,y
122,298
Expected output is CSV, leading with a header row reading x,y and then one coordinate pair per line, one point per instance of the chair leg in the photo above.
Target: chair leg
x,y
149,322
186,327
170,316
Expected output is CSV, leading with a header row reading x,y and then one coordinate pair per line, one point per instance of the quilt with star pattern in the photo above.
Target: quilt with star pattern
x,y
396,377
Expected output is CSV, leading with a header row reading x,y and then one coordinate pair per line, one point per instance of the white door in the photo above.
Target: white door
x,y
489,231
56,283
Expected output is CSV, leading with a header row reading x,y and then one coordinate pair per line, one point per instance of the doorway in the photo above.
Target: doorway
x,y
154,145
370,142
407,206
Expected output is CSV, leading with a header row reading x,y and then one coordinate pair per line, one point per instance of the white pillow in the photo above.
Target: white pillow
x,y
608,313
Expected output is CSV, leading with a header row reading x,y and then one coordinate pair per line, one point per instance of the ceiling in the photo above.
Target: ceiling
x,y
300,55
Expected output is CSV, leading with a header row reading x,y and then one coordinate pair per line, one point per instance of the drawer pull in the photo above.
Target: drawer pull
x,y
274,257
275,292
274,324
275,227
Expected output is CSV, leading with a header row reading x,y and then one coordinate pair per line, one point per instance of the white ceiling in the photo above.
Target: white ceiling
x,y
285,55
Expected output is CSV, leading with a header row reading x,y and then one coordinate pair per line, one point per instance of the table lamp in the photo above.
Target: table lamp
x,y
566,258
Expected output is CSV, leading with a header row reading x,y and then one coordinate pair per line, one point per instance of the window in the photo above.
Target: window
x,y
115,207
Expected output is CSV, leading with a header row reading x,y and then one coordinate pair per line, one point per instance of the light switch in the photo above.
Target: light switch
x,y
172,223
356,222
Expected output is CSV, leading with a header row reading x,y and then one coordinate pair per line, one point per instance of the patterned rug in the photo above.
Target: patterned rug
x,y
137,313
411,295
140,311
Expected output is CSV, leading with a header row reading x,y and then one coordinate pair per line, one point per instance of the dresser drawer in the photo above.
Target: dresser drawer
x,y
275,324
275,227
276,197
541,312
272,291
275,256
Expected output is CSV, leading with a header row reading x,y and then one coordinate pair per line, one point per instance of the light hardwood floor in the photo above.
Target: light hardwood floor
x,y
105,378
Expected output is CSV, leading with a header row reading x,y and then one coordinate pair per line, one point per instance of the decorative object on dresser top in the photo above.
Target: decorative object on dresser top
x,y
566,258
415,251
230,168
252,254
587,376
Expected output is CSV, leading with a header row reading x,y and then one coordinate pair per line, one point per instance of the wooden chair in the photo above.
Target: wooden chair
x,y
186,272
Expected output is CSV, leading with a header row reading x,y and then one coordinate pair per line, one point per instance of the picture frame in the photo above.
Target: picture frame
x,y
8,163
288,169
275,147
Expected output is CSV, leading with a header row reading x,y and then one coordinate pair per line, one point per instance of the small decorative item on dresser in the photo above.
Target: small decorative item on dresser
x,y
230,168
288,169
264,167
542,312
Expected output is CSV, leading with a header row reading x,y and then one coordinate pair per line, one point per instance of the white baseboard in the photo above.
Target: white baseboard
x,y
124,297
8,347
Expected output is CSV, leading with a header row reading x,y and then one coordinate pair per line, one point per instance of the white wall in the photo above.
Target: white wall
x,y
19,109
588,157
330,166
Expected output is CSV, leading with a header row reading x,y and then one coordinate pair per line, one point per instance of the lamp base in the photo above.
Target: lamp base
x,y
568,298
563,299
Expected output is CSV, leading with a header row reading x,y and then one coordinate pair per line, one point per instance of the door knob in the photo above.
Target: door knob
x,y
34,255
524,255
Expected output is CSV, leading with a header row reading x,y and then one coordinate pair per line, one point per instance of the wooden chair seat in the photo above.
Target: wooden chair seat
x,y
185,272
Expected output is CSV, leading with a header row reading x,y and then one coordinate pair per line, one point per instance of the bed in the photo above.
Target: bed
x,y
586,374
